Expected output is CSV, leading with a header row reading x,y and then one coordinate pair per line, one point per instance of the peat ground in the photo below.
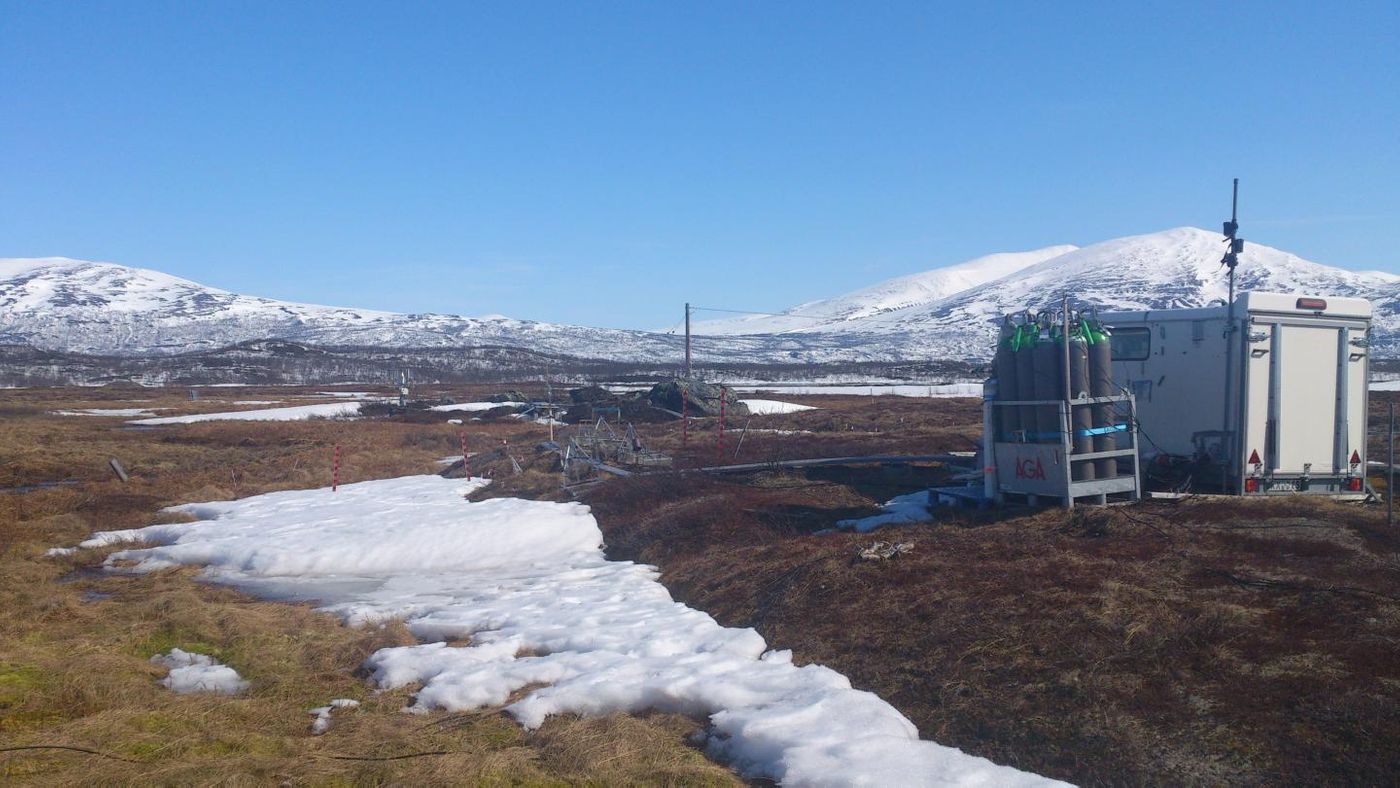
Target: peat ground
x,y
1195,641
1201,641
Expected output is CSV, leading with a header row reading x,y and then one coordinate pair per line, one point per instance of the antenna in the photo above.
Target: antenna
x,y
1234,245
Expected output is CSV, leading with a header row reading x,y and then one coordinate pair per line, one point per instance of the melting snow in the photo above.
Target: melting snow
x,y
475,406
125,412
322,723
770,407
935,390
900,510
527,583
297,413
191,672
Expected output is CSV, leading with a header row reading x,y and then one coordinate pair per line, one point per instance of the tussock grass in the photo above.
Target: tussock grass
x,y
77,689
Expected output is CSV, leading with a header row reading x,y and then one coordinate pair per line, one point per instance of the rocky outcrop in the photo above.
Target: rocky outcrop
x,y
697,398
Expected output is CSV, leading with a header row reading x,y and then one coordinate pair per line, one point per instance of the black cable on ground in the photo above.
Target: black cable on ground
x,y
83,750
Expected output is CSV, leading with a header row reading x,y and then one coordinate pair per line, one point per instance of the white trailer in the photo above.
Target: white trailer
x,y
1276,406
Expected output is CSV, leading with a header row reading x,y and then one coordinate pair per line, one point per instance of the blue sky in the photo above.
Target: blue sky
x,y
601,163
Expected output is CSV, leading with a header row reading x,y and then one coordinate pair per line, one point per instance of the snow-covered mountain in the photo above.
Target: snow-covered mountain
x,y
79,306
902,292
1173,268
947,313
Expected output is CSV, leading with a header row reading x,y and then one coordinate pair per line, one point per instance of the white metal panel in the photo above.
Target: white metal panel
x,y
1357,372
1307,407
1301,376
1258,359
1180,386
1251,302
1337,306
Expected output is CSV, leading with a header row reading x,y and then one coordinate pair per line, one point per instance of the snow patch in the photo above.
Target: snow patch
x,y
123,412
475,406
517,578
900,510
934,390
772,407
297,413
191,672
322,723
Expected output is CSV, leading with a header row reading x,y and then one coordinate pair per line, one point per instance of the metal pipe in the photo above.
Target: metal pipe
x,y
1067,417
687,340
1064,337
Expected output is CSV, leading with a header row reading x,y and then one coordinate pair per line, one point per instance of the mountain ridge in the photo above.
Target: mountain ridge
x,y
889,295
945,313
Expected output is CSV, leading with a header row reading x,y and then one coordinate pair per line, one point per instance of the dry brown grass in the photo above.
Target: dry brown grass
x,y
75,643
1199,642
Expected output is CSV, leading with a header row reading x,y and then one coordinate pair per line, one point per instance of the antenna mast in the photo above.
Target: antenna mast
x,y
687,340
1234,245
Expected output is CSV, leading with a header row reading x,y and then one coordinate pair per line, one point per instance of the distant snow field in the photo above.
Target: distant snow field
x,y
772,407
326,411
527,584
935,390
121,412
475,406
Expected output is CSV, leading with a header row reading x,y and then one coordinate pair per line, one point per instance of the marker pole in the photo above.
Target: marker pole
x,y
466,463
720,445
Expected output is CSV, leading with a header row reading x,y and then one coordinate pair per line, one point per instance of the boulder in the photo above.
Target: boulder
x,y
591,394
702,399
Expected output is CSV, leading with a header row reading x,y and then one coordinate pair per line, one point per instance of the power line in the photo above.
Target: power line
x,y
752,312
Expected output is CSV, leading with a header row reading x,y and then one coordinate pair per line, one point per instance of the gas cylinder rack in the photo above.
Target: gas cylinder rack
x,y
1054,424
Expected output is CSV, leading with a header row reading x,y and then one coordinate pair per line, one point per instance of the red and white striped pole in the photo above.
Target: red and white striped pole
x,y
335,469
685,417
466,463
721,424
